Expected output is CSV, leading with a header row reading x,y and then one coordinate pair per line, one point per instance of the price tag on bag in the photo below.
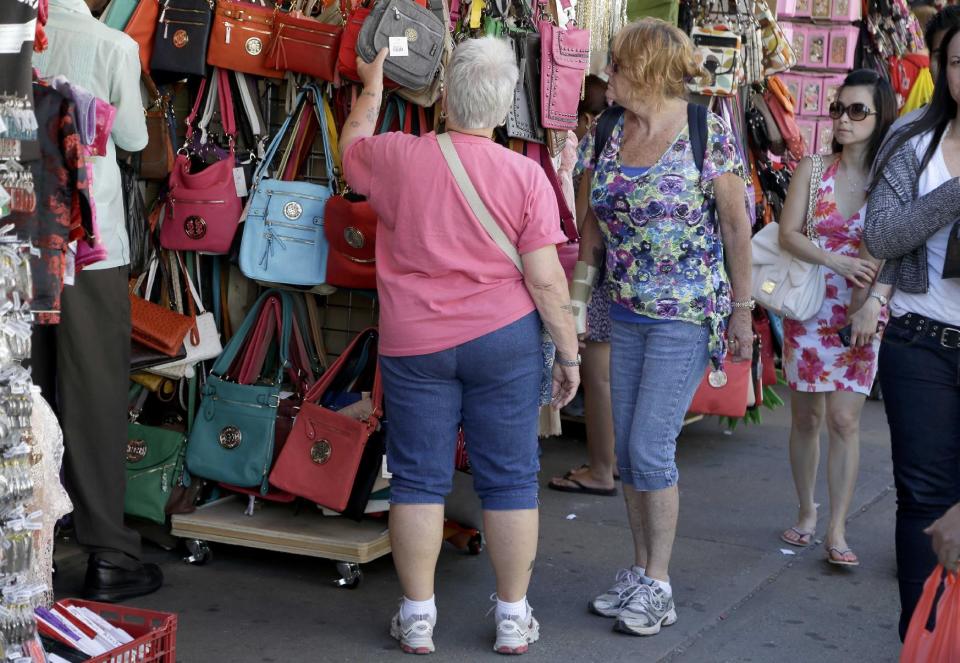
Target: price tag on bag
x,y
240,181
399,47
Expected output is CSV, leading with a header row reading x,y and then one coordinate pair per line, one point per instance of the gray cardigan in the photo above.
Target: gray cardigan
x,y
899,223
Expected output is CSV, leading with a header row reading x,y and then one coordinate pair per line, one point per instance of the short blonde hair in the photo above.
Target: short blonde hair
x,y
657,57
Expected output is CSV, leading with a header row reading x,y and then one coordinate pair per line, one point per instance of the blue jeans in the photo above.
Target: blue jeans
x,y
491,385
920,379
654,372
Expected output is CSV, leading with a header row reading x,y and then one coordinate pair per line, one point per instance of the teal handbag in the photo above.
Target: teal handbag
x,y
233,434
154,466
118,13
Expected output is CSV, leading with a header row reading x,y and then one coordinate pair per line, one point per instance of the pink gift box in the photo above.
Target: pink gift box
x,y
808,129
798,39
821,9
818,40
846,10
786,8
843,47
793,83
831,86
825,136
802,9
811,94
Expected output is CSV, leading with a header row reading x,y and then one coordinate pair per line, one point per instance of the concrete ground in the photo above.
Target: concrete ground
x,y
739,597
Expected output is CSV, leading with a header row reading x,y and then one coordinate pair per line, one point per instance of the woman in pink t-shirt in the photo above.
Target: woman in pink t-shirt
x,y
460,329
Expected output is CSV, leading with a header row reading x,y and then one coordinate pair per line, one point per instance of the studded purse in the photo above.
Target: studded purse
x,y
203,206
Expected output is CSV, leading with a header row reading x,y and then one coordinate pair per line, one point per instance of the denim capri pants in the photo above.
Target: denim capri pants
x,y
492,385
655,369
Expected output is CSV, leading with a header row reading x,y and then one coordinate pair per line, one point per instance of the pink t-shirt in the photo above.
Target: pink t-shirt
x,y
441,280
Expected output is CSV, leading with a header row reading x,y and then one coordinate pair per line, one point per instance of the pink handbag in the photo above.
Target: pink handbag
x,y
565,56
203,208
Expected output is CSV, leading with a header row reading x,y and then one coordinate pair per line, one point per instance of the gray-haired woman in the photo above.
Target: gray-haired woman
x,y
460,330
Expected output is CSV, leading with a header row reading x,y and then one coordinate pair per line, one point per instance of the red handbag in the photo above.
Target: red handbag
x,y
241,38
142,27
320,459
565,56
347,56
304,45
203,208
732,397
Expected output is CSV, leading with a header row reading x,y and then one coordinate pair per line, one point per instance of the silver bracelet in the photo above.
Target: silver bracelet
x,y
748,304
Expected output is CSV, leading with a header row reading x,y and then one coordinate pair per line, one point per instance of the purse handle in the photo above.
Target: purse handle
x,y
315,392
263,168
815,179
239,340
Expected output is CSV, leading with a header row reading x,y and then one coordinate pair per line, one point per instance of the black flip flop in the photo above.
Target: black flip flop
x,y
586,466
580,488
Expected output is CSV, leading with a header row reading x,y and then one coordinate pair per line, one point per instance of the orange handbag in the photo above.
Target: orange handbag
x,y
782,106
241,37
731,395
142,27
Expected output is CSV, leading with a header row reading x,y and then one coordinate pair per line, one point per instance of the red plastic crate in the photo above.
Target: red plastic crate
x,y
154,633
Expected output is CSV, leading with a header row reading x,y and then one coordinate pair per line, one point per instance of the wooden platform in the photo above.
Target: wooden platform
x,y
278,527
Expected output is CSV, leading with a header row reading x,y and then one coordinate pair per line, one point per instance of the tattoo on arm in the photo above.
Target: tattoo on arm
x,y
372,115
367,93
355,124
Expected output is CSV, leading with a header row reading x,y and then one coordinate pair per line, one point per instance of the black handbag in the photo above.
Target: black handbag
x,y
180,43
523,120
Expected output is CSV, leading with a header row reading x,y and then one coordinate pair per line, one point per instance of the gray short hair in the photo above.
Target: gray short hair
x,y
481,78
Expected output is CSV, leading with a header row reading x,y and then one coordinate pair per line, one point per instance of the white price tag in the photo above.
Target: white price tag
x,y
240,181
399,47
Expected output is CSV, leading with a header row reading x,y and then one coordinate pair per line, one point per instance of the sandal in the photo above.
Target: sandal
x,y
578,487
801,539
839,557
586,466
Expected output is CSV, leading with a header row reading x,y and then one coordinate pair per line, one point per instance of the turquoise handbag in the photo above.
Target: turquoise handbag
x,y
283,239
233,434
118,13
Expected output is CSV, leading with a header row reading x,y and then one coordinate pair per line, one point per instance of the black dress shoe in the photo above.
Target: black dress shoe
x,y
110,583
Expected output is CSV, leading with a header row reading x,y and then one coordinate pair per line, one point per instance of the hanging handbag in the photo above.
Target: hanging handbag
x,y
183,34
782,283
204,208
564,59
283,239
719,50
233,434
157,158
350,226
322,455
142,28
417,31
304,45
118,13
523,120
203,341
778,53
782,107
241,38
155,326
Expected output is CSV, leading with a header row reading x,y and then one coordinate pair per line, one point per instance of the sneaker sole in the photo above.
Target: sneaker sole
x,y
669,619
419,648
507,650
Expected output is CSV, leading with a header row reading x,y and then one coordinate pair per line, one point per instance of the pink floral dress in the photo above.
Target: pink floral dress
x,y
814,359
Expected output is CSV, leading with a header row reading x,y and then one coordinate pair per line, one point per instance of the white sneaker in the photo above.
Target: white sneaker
x,y
414,633
612,601
515,635
646,610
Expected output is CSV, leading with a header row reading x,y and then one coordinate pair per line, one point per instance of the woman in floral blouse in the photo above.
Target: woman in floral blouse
x,y
679,283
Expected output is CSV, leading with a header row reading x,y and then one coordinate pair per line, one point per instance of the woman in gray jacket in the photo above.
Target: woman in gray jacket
x,y
913,222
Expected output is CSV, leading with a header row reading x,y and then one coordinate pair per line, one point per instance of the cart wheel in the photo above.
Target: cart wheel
x,y
198,552
475,545
350,575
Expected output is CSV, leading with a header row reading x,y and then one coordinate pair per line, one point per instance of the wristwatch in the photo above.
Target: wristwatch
x,y
569,363
880,298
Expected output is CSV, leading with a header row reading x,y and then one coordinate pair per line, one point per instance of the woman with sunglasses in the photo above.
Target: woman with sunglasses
x,y
913,222
831,377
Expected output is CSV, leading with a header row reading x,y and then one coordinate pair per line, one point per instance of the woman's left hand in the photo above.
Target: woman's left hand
x,y
740,335
371,74
865,322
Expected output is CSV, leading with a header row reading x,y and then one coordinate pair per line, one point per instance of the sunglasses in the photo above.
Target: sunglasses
x,y
855,112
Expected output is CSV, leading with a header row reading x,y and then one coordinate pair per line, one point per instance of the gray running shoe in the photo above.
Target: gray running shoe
x,y
415,633
515,635
647,609
611,601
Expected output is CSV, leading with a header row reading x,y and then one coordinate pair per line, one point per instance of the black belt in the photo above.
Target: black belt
x,y
948,337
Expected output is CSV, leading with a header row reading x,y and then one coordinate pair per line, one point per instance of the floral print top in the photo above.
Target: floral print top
x,y
664,253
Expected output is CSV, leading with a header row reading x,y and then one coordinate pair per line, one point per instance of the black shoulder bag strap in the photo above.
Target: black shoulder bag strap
x,y
604,129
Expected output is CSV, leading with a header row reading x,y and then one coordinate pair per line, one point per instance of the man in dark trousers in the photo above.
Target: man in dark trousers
x,y
83,363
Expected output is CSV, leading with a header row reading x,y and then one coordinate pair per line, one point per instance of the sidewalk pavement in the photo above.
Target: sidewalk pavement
x,y
739,598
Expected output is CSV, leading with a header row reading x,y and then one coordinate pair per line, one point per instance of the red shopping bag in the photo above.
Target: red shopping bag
x,y
942,644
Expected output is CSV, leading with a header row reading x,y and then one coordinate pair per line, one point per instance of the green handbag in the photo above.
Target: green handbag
x,y
154,466
232,437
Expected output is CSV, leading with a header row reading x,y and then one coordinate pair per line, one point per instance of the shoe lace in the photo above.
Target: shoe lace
x,y
625,581
645,597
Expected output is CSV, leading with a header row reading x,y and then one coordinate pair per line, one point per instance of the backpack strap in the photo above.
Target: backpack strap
x,y
697,125
604,129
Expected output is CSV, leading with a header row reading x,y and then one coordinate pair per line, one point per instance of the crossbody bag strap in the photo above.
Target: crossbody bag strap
x,y
476,203
264,168
222,365
252,111
815,178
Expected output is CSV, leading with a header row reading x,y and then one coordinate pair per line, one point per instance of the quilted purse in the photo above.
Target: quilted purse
x,y
203,208
233,433
283,239
421,31
320,459
565,56
180,44
304,45
241,38
719,51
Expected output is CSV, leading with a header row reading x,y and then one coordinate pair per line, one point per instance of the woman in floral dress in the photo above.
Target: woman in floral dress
x,y
829,378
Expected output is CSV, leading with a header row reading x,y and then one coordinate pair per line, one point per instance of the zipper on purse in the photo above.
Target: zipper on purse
x,y
270,192
228,26
287,238
241,403
304,41
198,202
166,25
292,226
